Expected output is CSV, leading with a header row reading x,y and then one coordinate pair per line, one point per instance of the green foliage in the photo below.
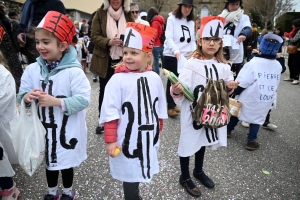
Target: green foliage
x,y
285,20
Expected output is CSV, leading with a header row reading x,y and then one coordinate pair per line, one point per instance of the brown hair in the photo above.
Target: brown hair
x,y
178,14
198,53
47,33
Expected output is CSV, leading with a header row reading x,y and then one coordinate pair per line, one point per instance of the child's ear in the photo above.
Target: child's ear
x,y
63,46
199,41
149,57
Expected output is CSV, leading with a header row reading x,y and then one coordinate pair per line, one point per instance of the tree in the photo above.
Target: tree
x,y
269,10
159,4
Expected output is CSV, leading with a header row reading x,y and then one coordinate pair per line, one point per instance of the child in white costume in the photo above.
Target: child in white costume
x,y
56,81
132,114
259,80
206,61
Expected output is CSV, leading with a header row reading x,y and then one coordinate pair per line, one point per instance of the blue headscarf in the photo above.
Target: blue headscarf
x,y
27,13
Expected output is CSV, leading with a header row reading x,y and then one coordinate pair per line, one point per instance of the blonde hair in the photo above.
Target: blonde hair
x,y
144,53
198,53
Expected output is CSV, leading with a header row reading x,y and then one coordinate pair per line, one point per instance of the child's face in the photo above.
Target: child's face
x,y
48,46
135,59
210,46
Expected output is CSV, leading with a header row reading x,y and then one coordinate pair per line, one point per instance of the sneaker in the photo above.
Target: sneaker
x,y
295,82
10,194
172,113
95,80
67,197
99,130
245,124
228,134
51,196
288,79
270,126
252,145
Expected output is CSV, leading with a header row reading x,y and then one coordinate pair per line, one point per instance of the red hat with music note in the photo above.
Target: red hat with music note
x,y
139,36
212,26
58,24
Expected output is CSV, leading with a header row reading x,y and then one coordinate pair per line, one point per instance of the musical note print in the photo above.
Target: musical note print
x,y
185,28
216,35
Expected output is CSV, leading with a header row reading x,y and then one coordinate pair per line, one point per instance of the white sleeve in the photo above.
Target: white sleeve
x,y
112,105
169,33
186,78
246,76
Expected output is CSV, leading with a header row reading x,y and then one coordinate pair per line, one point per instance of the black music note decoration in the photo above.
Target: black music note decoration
x,y
216,35
128,38
185,28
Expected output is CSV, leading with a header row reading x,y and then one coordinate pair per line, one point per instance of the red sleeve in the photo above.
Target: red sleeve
x,y
110,131
161,124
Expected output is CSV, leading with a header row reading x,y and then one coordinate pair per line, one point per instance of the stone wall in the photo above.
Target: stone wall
x,y
214,7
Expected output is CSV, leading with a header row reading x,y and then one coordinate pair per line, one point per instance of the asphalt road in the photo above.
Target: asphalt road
x,y
237,172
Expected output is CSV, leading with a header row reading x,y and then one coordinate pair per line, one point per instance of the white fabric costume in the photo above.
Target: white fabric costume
x,y
7,113
180,36
193,136
261,78
138,101
235,48
66,135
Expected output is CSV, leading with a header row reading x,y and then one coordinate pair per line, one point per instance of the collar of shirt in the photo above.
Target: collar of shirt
x,y
52,65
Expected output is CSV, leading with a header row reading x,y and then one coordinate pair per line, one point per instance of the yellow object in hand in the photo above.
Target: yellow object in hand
x,y
117,151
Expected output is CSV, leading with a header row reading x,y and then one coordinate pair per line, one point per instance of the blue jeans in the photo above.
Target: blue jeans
x,y
253,129
157,51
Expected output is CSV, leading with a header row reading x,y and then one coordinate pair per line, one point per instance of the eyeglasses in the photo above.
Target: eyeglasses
x,y
207,40
136,12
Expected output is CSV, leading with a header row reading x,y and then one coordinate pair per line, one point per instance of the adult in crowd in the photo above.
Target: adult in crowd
x,y
13,16
294,59
252,44
7,153
263,32
107,26
158,22
180,41
90,46
134,8
237,29
9,47
143,14
32,13
76,24
82,31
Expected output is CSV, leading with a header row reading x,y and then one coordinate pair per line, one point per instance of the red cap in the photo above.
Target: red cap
x,y
58,24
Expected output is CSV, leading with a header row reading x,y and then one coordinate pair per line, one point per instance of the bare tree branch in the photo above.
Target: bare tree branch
x,y
269,10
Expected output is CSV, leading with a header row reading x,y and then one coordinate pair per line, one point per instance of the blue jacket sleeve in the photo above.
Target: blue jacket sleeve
x,y
246,31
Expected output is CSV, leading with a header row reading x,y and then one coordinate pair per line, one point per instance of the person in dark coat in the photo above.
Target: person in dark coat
x,y
9,47
38,8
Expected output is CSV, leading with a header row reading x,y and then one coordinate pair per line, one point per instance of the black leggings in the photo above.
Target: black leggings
x,y
66,174
6,183
185,162
171,65
102,84
131,190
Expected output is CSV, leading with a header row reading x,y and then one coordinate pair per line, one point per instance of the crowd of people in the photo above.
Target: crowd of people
x,y
121,42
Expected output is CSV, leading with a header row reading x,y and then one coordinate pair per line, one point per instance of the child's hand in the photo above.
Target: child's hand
x,y
111,147
177,55
232,84
33,94
177,88
46,100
